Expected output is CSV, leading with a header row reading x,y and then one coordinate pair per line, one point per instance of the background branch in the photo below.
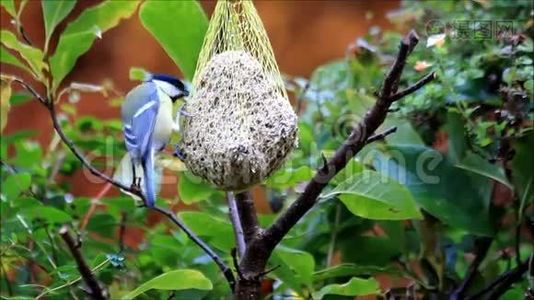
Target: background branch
x,y
482,245
122,231
381,136
96,291
236,223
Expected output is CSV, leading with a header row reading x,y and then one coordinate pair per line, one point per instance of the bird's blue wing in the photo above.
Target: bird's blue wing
x,y
140,120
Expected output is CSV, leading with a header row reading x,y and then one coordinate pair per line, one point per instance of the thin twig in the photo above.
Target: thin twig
x,y
56,167
247,215
24,35
49,104
227,272
52,244
96,291
482,245
236,263
333,236
122,231
300,98
236,223
30,89
416,86
8,167
70,144
94,204
381,136
71,282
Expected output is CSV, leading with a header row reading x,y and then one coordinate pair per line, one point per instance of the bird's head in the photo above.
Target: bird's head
x,y
170,85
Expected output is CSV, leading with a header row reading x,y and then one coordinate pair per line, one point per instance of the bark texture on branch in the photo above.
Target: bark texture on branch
x,y
260,247
95,290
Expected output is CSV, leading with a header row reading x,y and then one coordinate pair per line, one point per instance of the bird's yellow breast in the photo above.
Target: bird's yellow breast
x,y
164,121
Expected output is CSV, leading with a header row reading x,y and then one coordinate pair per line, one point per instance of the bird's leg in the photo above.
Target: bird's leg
x,y
178,152
183,112
136,182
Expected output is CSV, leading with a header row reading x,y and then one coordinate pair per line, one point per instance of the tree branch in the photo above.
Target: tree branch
x,y
122,231
236,223
381,136
482,245
260,248
49,104
32,91
227,272
500,285
416,86
247,214
96,291
354,143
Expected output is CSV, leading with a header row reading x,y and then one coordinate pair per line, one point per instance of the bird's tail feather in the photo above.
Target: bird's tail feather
x,y
149,180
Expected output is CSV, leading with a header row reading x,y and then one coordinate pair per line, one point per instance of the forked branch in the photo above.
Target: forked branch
x,y
260,248
360,136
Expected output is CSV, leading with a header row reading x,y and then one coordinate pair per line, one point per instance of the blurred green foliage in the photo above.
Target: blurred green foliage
x,y
410,207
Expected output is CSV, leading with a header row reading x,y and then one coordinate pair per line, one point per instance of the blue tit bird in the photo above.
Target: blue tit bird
x,y
148,124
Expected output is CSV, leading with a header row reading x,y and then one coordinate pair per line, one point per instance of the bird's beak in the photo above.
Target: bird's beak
x,y
183,93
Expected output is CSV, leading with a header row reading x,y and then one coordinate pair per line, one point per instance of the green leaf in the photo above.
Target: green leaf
x,y
448,193
218,231
371,195
33,56
296,267
405,133
9,6
8,58
457,139
102,223
18,98
476,164
16,184
173,280
183,40
28,154
522,166
138,74
192,189
348,269
80,34
5,106
53,13
289,177
353,167
48,213
164,249
514,293
355,287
